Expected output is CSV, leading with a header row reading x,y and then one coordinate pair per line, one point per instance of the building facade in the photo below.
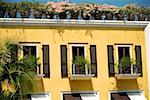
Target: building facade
x,y
103,43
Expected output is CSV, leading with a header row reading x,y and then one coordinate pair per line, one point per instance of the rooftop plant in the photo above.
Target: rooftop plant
x,y
24,8
3,6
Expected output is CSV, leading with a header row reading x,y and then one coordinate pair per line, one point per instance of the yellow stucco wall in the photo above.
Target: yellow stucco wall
x,y
101,37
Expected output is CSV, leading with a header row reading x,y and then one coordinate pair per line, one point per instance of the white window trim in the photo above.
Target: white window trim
x,y
76,45
48,93
37,53
127,91
130,51
70,92
117,56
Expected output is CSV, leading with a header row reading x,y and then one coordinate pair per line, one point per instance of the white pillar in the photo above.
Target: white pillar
x,y
147,41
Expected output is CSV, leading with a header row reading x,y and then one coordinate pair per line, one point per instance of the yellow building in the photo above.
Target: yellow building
x,y
102,43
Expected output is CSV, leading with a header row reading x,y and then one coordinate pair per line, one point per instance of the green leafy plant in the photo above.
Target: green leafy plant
x,y
24,8
80,61
127,62
14,73
38,9
3,6
12,10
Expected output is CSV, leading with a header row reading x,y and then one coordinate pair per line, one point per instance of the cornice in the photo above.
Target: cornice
x,y
71,23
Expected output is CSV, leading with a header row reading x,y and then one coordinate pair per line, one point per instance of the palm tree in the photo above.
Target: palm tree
x,y
16,74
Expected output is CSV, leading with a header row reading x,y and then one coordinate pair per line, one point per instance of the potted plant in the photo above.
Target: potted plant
x,y
147,13
74,11
12,10
125,64
50,11
24,9
87,10
119,14
38,10
108,11
131,10
80,62
97,12
3,6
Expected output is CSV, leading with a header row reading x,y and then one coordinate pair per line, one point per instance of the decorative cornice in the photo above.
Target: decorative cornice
x,y
71,23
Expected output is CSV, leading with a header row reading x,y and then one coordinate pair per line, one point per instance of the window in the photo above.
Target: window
x,y
40,96
80,96
133,63
87,70
76,52
124,51
30,49
122,95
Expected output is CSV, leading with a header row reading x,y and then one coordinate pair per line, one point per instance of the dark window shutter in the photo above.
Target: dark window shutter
x,y
93,59
138,58
64,69
46,67
14,52
110,60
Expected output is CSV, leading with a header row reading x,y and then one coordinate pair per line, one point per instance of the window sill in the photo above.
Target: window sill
x,y
81,76
127,76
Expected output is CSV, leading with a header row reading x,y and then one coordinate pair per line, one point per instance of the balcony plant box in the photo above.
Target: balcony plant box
x,y
3,7
81,69
124,68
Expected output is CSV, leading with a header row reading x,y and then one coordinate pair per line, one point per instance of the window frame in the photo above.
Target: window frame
x,y
37,52
71,56
130,52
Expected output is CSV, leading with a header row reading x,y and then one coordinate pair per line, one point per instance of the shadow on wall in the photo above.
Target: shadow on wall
x,y
127,84
81,85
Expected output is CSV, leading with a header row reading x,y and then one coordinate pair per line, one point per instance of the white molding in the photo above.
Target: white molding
x,y
147,42
71,23
48,93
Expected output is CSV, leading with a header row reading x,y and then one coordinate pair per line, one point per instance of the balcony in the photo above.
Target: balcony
x,y
81,73
130,72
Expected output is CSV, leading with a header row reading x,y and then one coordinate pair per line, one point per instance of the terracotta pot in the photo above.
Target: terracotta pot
x,y
97,15
38,14
2,12
131,17
108,16
12,14
86,17
62,15
119,16
74,15
49,15
25,14
141,17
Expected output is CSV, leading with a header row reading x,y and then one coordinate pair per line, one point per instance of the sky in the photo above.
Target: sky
x,y
119,3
